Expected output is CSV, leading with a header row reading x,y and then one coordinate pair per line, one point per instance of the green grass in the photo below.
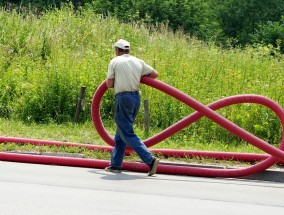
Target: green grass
x,y
85,133
69,132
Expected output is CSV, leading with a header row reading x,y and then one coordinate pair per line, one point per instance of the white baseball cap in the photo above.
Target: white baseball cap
x,y
122,44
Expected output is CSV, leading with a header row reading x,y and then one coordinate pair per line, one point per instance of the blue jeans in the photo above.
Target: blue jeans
x,y
126,108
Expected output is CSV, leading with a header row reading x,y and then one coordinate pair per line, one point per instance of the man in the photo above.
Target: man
x,y
124,74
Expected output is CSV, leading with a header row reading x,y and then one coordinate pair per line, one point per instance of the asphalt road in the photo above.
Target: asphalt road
x,y
49,190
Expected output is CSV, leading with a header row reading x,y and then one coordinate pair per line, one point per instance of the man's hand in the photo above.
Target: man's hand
x,y
110,83
153,74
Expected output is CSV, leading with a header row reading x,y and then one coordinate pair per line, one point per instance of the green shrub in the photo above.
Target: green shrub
x,y
271,33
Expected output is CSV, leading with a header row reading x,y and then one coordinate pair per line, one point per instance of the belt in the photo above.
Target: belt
x,y
127,92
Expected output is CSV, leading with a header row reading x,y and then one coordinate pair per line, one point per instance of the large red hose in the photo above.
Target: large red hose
x,y
276,155
202,110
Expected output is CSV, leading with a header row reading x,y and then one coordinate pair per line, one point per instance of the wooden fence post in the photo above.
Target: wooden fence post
x,y
80,103
146,116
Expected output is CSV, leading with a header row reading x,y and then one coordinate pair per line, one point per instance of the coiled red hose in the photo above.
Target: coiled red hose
x,y
276,155
202,110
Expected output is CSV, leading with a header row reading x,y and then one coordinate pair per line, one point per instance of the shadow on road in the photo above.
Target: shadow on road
x,y
120,176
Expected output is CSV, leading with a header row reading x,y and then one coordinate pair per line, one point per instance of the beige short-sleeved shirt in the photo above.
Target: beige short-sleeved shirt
x,y
127,71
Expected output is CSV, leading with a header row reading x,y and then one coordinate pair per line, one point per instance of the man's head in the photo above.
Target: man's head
x,y
122,46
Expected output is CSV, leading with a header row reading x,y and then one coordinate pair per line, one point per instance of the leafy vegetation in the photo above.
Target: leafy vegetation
x,y
224,22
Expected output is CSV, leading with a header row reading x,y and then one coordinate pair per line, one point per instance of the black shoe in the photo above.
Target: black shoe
x,y
113,169
153,167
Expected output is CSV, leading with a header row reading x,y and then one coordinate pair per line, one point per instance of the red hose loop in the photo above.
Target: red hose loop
x,y
202,110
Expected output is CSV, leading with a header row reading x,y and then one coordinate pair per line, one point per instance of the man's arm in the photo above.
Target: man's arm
x,y
110,83
153,74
